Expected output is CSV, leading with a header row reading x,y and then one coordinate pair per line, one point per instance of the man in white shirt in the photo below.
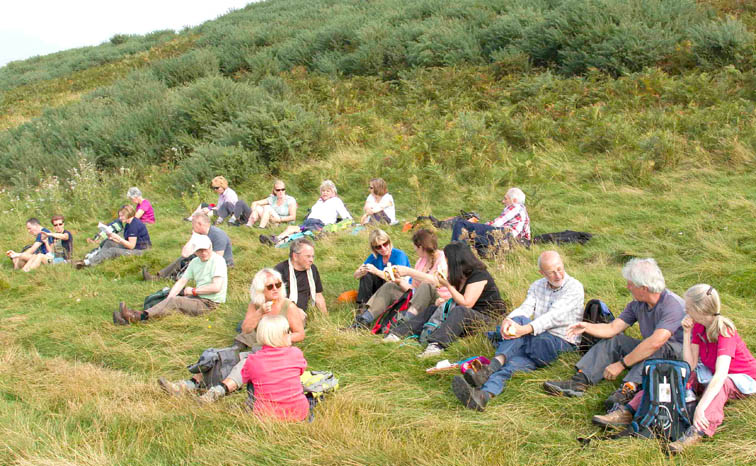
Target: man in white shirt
x,y
531,336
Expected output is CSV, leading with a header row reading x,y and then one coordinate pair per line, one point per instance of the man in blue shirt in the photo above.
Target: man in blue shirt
x,y
28,260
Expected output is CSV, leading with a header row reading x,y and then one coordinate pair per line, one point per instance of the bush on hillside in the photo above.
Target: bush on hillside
x,y
719,43
236,163
186,68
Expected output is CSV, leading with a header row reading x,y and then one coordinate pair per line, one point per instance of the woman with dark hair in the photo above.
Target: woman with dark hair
x,y
475,300
423,282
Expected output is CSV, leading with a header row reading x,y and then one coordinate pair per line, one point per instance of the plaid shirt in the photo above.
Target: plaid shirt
x,y
514,217
553,310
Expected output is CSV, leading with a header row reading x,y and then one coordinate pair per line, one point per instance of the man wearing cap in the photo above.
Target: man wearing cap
x,y
208,271
201,225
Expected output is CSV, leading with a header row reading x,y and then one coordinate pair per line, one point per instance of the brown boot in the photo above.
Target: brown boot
x,y
148,277
129,315
617,418
691,437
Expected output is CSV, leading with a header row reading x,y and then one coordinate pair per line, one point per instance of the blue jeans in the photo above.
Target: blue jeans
x,y
482,233
523,354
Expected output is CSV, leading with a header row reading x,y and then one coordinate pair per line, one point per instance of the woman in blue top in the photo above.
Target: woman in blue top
x,y
371,273
135,240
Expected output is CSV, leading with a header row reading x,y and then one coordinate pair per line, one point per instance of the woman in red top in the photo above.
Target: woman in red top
x,y
713,339
275,372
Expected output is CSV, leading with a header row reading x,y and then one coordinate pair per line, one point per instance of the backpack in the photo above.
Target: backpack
x,y
156,297
438,318
596,312
663,412
179,271
215,364
315,384
389,317
566,236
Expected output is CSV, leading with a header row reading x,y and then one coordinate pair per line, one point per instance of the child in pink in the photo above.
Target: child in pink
x,y
713,339
275,371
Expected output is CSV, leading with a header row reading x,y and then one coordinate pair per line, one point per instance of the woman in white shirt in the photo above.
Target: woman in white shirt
x,y
379,205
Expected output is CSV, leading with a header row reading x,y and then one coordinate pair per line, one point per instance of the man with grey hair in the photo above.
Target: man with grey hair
x,y
513,222
530,337
301,276
659,313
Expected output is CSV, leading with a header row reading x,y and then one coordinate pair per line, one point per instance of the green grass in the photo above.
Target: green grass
x,y
655,163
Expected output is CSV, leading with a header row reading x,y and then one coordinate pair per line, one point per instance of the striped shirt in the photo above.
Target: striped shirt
x,y
515,218
553,310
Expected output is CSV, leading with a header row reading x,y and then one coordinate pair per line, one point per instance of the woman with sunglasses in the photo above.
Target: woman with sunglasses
x,y
268,297
370,273
227,200
379,205
423,284
475,302
276,208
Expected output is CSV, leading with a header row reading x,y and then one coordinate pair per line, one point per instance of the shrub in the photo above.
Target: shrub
x,y
721,42
209,160
186,68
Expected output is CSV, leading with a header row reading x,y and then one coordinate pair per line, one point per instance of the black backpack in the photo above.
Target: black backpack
x,y
663,412
215,364
596,312
566,236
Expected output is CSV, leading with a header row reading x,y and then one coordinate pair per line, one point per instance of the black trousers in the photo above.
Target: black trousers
x,y
369,284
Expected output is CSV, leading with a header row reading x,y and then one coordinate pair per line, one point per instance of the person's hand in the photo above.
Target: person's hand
x,y
188,291
114,237
576,329
442,280
91,241
402,270
370,268
43,235
699,420
439,301
613,370
687,324
9,252
507,328
267,307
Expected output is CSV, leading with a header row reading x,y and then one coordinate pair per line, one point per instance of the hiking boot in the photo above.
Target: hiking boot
x,y
691,437
477,374
129,315
622,396
79,264
214,394
619,417
575,386
180,388
363,320
118,319
433,349
391,338
148,277
269,240
471,397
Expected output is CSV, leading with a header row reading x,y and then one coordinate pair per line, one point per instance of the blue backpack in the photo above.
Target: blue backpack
x,y
663,412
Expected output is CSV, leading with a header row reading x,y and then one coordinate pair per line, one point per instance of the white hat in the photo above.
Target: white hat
x,y
200,242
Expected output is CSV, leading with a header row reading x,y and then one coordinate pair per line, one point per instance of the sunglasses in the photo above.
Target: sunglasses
x,y
276,285
215,188
278,190
370,187
58,224
387,244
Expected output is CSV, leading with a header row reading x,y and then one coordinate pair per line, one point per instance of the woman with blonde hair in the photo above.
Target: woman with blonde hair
x,y
724,368
227,200
379,205
267,298
277,208
275,372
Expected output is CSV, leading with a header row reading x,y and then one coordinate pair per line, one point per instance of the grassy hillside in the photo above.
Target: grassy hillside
x,y
451,104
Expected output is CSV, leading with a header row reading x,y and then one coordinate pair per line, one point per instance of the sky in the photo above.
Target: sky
x,y
29,28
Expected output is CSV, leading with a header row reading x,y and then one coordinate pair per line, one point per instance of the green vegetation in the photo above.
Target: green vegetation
x,y
648,142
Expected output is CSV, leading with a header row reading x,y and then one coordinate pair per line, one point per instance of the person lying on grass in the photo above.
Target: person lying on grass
x,y
201,225
372,274
513,222
475,302
328,209
424,284
267,294
275,373
274,209
531,336
135,240
658,312
207,270
711,345
38,253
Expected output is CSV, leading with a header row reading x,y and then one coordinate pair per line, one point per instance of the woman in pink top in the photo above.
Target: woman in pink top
x,y
144,211
275,372
712,339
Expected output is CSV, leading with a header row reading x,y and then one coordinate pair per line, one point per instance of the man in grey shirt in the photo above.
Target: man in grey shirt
x,y
659,313
201,225
531,336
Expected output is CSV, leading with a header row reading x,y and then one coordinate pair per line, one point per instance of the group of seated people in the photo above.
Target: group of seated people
x,y
448,294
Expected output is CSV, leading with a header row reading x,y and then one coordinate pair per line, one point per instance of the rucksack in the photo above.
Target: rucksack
x,y
315,384
389,317
438,317
215,364
566,236
596,312
156,297
662,412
